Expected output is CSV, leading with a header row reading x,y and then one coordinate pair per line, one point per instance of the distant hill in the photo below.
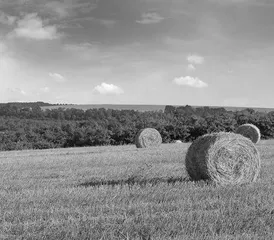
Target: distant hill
x,y
143,108
27,104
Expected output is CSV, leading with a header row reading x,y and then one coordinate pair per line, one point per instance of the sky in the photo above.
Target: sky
x,y
176,52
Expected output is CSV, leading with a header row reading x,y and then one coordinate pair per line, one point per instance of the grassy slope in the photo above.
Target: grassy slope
x,y
127,193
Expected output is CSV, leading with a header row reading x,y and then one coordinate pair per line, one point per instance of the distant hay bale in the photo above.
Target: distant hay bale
x,y
250,131
223,158
177,141
148,137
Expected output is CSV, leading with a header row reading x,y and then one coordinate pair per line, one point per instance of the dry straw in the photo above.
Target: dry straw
x,y
148,137
223,158
250,131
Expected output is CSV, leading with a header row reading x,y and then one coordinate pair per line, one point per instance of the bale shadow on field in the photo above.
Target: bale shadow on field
x,y
131,181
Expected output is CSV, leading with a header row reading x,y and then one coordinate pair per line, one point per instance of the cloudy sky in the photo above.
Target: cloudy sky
x,y
196,52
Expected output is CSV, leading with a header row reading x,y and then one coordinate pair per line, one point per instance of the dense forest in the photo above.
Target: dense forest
x,y
27,126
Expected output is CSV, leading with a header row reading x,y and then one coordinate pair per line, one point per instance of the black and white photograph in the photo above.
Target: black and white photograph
x,y
136,119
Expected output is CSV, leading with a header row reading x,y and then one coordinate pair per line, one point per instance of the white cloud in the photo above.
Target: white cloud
x,y
7,19
32,26
191,67
149,18
195,59
17,90
57,77
61,9
106,89
190,81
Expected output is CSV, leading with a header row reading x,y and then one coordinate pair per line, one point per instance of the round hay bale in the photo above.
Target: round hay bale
x,y
148,137
178,141
250,131
223,158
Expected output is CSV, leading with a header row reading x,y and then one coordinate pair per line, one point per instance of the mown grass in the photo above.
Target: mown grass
x,y
127,193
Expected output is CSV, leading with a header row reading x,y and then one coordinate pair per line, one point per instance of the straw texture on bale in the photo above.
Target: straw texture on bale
x,y
223,158
148,137
250,131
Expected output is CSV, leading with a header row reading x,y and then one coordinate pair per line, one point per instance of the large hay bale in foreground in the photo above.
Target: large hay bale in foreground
x,y
250,131
148,137
223,158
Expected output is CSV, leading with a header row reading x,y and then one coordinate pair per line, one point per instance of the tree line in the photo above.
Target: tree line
x,y
27,126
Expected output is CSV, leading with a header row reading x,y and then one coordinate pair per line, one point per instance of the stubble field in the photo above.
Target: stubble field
x,y
126,193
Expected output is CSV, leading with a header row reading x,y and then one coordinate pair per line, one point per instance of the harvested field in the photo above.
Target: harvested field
x,y
128,193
